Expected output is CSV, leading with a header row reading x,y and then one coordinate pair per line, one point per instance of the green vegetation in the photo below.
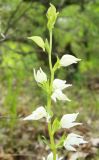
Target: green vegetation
x,y
76,32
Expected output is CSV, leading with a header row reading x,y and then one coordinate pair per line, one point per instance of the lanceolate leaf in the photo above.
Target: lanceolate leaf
x,y
55,126
61,141
47,47
43,138
39,41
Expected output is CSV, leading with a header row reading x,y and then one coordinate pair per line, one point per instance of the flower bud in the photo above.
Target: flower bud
x,y
51,15
40,76
67,60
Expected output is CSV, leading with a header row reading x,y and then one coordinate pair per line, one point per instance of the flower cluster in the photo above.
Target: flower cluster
x,y
68,120
55,91
58,84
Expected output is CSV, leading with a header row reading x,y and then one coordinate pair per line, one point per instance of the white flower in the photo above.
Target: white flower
x,y
73,139
67,120
57,94
60,84
40,76
39,113
50,157
67,60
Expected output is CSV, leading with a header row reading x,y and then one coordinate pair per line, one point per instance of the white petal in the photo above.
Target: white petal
x,y
67,60
73,139
39,113
35,74
59,95
74,135
69,148
60,84
68,119
40,76
30,117
60,158
50,157
43,75
69,125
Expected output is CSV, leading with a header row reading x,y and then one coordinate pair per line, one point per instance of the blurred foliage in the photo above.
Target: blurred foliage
x,y
76,32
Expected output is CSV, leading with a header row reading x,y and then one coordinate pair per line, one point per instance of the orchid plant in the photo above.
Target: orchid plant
x,y
54,90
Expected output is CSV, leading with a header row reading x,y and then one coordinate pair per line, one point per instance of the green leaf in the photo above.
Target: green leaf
x,y
55,125
61,141
57,65
47,47
52,16
39,41
45,140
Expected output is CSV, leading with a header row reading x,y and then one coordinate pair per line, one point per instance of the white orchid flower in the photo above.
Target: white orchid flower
x,y
39,113
60,84
73,139
68,59
67,120
57,94
40,76
50,157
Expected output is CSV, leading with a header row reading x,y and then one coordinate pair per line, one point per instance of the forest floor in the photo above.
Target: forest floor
x,y
22,140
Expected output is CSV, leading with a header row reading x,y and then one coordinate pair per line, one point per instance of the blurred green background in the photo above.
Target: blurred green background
x,y
76,32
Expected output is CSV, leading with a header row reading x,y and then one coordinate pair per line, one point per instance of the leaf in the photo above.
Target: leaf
x,y
45,140
55,125
47,47
61,141
39,41
57,64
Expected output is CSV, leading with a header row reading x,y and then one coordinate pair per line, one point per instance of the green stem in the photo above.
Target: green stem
x,y
50,61
53,147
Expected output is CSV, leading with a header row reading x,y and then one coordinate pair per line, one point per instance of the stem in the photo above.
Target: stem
x,y
52,141
53,147
50,61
